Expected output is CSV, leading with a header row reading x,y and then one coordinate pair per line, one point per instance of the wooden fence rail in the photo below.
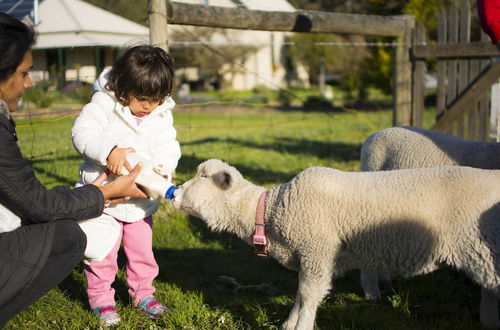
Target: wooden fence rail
x,y
297,21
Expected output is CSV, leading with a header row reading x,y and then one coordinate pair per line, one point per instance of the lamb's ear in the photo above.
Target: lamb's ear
x,y
223,179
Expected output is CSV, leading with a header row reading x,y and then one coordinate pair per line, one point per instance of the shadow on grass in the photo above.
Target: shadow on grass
x,y
37,165
188,164
233,278
321,107
338,151
341,152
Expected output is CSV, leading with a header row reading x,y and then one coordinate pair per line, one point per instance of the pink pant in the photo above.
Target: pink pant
x,y
141,265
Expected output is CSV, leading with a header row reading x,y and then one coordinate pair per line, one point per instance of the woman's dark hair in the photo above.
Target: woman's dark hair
x,y
144,72
16,38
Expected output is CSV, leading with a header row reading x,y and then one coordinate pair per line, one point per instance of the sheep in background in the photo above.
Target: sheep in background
x,y
324,222
411,147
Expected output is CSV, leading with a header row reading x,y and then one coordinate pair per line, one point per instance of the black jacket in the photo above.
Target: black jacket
x,y
24,195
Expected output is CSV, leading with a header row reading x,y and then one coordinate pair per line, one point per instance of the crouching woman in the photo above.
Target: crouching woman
x,y
40,240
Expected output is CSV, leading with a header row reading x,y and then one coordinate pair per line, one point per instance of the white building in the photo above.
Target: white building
x,y
76,40
263,68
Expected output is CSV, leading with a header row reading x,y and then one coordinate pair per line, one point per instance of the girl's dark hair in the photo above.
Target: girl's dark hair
x,y
16,38
144,72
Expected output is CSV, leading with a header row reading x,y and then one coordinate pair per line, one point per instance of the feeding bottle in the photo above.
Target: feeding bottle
x,y
153,183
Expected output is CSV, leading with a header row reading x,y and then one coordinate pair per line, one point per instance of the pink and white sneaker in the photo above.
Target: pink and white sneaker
x,y
107,315
152,307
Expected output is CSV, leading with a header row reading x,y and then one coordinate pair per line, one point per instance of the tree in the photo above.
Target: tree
x,y
217,64
313,49
371,66
426,13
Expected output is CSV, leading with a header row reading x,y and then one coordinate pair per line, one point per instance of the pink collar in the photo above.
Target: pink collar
x,y
259,238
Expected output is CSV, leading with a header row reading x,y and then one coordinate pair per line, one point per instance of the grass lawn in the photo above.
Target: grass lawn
x,y
214,280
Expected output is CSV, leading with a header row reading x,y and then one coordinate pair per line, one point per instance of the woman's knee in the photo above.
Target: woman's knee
x,y
68,239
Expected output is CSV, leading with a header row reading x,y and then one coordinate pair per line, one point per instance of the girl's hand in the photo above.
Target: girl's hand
x,y
117,159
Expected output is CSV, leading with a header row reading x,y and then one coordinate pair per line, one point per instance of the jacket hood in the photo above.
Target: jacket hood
x,y
102,80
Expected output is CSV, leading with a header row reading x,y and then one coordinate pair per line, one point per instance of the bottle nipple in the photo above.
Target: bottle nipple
x,y
170,192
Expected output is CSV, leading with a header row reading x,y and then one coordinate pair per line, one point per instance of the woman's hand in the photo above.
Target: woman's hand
x,y
122,188
117,159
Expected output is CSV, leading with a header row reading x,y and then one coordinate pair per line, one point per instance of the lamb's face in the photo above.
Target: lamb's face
x,y
205,194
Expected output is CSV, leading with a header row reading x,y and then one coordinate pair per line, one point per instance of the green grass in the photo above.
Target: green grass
x,y
214,280
297,96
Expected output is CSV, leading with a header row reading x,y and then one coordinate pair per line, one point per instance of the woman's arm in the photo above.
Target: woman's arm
x,y
22,193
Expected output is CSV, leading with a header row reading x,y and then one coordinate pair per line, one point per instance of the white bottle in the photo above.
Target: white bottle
x,y
153,183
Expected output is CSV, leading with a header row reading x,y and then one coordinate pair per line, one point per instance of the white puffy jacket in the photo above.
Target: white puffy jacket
x,y
105,123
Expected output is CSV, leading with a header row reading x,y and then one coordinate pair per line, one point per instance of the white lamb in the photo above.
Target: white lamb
x,y
411,147
324,222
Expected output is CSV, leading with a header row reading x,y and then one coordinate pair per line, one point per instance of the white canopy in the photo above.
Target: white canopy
x,y
74,23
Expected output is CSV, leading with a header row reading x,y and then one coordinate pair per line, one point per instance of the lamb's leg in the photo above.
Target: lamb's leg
x,y
291,321
312,288
369,283
488,313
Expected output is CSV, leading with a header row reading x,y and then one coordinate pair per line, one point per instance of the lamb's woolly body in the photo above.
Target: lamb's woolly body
x,y
411,147
324,222
419,215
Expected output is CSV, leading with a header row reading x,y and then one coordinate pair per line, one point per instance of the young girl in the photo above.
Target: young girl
x,y
130,112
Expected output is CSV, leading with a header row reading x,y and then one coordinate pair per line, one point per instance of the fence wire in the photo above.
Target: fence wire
x,y
232,138
188,128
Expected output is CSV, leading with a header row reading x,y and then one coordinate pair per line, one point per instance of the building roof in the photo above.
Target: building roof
x,y
266,5
75,23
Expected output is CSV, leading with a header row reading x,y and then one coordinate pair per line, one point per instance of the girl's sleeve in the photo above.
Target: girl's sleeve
x,y
167,150
89,134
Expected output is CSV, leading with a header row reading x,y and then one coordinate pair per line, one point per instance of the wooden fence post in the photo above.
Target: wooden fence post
x,y
463,65
441,74
484,102
403,76
419,70
158,23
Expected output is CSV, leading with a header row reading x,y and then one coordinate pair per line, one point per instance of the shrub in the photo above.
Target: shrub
x,y
83,94
257,100
78,91
285,97
260,89
259,95
317,102
39,95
